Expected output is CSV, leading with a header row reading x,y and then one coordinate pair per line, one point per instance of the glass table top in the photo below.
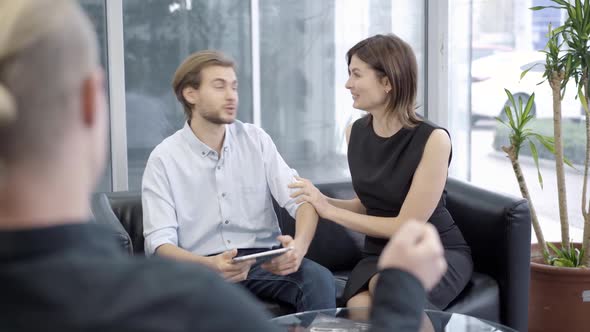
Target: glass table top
x,y
356,319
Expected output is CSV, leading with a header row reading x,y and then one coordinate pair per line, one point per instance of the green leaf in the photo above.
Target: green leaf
x,y
578,9
568,256
518,113
502,121
509,116
559,30
536,159
569,163
543,7
570,13
554,248
562,262
547,142
561,2
529,105
510,97
526,71
508,110
583,99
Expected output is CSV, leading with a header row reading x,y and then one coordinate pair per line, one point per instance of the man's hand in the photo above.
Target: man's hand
x,y
288,262
416,248
233,272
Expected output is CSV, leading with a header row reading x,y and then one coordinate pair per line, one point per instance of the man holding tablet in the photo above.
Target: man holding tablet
x,y
207,194
262,256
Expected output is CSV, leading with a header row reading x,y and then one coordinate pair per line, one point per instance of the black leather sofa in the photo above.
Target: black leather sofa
x,y
497,227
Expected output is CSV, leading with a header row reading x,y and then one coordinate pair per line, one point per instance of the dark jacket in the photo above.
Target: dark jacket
x,y
74,278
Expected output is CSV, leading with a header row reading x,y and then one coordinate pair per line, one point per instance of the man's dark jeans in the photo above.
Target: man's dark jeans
x,y
310,288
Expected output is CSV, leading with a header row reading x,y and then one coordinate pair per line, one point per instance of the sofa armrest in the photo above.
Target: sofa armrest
x,y
103,214
497,227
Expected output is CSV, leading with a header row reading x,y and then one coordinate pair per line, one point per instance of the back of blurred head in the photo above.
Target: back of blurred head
x,y
52,113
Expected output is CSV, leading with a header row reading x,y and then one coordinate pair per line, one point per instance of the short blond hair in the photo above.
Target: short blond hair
x,y
43,61
188,74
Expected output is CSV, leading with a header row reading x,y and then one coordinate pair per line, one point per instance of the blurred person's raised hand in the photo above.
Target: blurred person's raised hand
x,y
416,248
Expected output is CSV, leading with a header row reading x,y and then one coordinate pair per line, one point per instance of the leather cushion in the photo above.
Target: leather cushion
x,y
480,298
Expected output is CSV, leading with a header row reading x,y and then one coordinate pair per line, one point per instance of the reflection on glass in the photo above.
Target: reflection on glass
x,y
506,37
357,319
95,9
158,35
305,107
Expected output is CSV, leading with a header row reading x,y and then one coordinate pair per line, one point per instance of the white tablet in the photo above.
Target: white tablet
x,y
265,254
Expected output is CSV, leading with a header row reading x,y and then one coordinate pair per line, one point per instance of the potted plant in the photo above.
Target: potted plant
x,y
560,279
517,119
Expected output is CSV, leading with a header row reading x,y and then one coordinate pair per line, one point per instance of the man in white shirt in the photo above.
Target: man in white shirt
x,y
206,192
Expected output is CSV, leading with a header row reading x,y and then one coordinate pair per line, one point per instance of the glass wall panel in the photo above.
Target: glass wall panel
x,y
305,107
96,10
505,39
158,35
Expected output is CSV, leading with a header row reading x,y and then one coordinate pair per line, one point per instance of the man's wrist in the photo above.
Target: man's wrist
x,y
402,273
301,246
209,261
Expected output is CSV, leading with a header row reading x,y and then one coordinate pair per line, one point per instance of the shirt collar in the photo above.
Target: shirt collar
x,y
201,148
53,239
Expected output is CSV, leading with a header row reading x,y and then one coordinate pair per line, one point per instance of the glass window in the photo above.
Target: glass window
x,y
304,105
505,39
158,35
95,9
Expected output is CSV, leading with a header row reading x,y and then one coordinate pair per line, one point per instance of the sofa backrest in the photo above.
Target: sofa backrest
x,y
334,246
123,211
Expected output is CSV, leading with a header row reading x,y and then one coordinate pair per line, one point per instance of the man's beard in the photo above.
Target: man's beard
x,y
216,119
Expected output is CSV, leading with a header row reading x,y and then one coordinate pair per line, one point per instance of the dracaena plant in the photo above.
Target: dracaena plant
x,y
572,62
554,74
517,118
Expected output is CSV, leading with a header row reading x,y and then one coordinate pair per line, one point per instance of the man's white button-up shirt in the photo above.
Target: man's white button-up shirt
x,y
208,203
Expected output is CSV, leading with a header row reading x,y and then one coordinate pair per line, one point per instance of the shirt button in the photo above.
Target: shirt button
x,y
203,153
222,194
218,167
228,241
227,222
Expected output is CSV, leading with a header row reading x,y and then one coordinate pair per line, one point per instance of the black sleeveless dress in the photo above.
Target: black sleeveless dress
x,y
382,170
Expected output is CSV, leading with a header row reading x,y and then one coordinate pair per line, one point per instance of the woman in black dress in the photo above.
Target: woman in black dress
x,y
398,163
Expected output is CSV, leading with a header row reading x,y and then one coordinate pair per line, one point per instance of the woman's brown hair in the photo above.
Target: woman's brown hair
x,y
393,58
